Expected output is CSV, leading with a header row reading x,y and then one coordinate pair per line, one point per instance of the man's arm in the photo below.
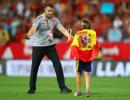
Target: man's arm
x,y
31,31
66,32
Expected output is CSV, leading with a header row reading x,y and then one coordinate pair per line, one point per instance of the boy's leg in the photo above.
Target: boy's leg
x,y
78,84
87,79
78,81
87,70
78,78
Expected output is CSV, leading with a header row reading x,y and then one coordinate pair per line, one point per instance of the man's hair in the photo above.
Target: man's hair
x,y
86,23
48,5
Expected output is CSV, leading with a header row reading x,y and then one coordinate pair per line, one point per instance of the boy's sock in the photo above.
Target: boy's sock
x,y
78,90
87,90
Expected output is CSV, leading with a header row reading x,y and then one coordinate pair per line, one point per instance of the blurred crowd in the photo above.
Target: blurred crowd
x,y
110,18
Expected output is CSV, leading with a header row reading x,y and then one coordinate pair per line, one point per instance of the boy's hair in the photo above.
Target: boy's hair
x,y
86,23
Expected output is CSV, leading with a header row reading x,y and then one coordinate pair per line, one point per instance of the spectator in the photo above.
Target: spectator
x,y
20,8
114,34
117,23
4,36
14,25
9,9
21,31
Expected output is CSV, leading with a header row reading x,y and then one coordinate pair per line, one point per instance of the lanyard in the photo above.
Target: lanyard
x,y
50,35
52,24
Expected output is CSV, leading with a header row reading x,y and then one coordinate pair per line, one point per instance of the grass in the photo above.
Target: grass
x,y
102,88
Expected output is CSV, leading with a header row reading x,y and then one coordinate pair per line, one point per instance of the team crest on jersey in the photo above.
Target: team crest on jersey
x,y
84,40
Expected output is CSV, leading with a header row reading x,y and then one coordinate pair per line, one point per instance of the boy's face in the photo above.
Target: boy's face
x,y
81,24
49,12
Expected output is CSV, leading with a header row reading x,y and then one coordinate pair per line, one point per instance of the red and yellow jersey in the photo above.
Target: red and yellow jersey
x,y
84,46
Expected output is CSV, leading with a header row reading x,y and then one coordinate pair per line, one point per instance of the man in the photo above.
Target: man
x,y
43,44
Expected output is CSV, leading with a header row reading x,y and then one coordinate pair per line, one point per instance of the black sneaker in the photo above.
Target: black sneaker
x,y
30,91
65,90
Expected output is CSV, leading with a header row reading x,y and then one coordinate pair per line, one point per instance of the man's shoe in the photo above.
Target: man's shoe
x,y
65,90
30,91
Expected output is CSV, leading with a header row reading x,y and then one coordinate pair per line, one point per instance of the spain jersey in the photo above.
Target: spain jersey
x,y
84,46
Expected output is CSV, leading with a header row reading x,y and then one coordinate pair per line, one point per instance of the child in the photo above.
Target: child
x,y
84,49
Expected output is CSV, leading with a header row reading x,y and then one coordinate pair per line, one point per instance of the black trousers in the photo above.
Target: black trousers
x,y
37,56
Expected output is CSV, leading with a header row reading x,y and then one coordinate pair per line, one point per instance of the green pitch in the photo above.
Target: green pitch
x,y
15,88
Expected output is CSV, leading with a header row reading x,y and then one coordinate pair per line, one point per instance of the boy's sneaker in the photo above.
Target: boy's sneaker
x,y
87,94
77,94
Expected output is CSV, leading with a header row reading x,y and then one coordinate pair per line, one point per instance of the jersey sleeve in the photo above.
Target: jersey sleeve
x,y
58,24
37,21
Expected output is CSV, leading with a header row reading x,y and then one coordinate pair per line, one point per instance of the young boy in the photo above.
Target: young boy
x,y
84,49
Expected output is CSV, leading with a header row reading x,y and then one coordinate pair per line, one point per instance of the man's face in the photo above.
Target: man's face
x,y
49,12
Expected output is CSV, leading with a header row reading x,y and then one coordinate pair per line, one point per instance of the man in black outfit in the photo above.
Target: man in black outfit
x,y
43,44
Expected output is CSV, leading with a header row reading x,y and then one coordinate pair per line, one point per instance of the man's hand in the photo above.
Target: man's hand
x,y
66,32
26,37
70,40
70,33
70,30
